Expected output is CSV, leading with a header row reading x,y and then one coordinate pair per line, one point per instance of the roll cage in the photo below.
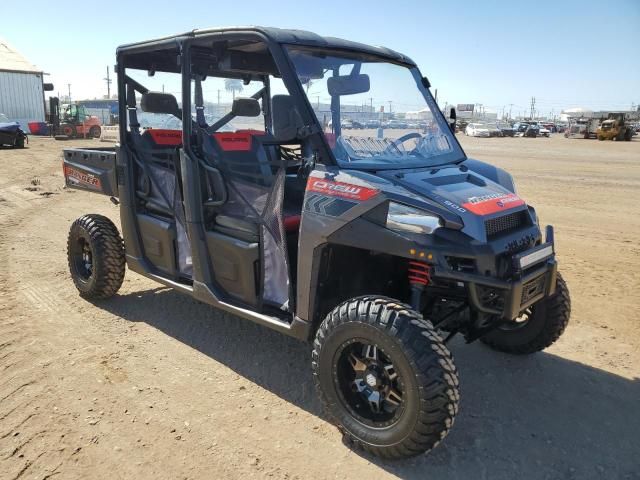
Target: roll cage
x,y
198,57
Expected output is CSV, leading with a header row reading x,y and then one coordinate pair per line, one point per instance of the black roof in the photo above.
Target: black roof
x,y
280,35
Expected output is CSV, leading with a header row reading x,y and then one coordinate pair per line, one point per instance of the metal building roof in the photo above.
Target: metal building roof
x,y
12,61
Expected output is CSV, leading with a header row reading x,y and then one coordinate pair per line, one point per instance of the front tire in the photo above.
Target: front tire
x,y
96,256
545,321
385,377
94,132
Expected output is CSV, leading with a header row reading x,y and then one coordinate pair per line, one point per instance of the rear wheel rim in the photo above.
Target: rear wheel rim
x,y
368,384
83,260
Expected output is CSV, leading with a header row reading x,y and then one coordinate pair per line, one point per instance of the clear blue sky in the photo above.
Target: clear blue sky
x,y
565,53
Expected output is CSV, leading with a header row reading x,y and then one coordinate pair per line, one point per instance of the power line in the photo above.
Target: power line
x,y
108,80
533,107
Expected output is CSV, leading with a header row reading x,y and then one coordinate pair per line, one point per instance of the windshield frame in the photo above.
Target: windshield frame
x,y
457,154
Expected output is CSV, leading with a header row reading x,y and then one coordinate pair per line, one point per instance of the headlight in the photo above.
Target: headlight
x,y
402,218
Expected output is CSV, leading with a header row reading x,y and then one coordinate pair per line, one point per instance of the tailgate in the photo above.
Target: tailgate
x,y
91,169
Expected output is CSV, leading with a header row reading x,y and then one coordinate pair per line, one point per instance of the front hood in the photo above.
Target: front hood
x,y
9,126
471,196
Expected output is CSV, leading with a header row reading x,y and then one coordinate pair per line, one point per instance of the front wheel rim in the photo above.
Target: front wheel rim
x,y
368,383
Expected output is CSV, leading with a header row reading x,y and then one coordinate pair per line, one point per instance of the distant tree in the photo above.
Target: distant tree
x,y
232,85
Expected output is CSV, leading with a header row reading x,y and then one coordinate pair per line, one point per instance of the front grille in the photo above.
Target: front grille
x,y
533,288
506,223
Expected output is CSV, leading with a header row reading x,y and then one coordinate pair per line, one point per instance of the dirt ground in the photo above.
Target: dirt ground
x,y
152,384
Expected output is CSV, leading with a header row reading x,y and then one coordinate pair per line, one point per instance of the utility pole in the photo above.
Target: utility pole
x,y
533,106
390,102
108,80
510,107
69,86
371,103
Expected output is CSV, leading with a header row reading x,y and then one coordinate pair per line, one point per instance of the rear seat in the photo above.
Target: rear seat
x,y
159,149
250,163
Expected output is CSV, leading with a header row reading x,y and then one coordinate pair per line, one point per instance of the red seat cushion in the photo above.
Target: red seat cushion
x,y
292,223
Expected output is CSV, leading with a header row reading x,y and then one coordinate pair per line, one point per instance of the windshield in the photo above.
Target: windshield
x,y
375,114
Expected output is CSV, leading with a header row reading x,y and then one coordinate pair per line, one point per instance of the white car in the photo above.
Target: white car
x,y
543,132
477,130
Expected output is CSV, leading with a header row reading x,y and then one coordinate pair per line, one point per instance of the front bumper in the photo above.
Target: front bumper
x,y
507,298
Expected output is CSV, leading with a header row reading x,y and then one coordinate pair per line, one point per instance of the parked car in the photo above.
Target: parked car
x,y
549,126
397,124
494,131
521,129
543,129
372,124
506,129
477,130
10,133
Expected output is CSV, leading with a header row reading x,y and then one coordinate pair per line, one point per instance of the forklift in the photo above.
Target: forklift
x,y
71,120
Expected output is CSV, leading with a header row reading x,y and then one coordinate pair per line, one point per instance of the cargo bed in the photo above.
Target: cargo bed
x,y
91,169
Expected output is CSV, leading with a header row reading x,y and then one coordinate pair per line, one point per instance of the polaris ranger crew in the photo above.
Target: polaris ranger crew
x,y
377,246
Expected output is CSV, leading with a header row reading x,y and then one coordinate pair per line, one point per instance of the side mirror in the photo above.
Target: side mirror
x,y
452,119
245,107
47,87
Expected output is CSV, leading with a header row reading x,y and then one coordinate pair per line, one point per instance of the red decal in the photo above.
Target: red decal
x,y
492,203
165,137
340,189
239,141
76,176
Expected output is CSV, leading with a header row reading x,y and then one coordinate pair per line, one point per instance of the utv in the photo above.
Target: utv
x,y
378,245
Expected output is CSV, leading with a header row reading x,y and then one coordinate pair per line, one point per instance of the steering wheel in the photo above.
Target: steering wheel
x,y
400,140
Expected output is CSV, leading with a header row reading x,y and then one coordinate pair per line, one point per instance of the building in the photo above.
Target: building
x,y
21,87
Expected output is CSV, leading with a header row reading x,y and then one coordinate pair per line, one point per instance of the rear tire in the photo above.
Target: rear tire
x,y
19,142
546,322
94,132
69,131
417,401
96,256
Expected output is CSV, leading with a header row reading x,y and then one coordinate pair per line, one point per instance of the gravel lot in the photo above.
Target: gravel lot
x,y
152,384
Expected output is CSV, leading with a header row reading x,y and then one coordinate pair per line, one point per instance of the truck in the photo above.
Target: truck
x,y
376,251
582,127
615,128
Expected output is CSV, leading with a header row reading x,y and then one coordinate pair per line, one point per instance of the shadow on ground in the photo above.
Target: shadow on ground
x,y
539,416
